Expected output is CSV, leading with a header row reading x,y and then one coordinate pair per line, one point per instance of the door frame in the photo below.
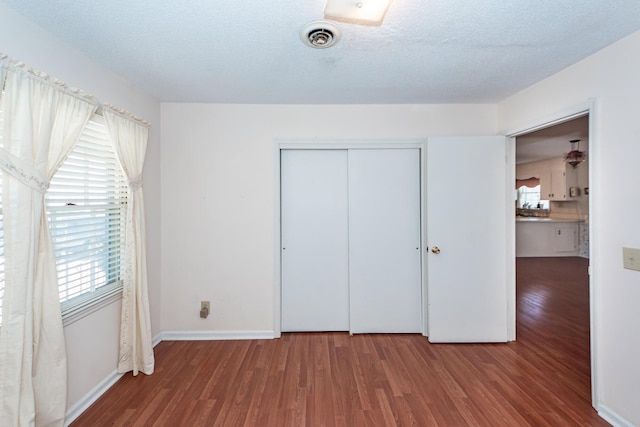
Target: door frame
x,y
343,144
589,108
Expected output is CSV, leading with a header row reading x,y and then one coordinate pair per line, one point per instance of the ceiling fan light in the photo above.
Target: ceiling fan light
x,y
362,12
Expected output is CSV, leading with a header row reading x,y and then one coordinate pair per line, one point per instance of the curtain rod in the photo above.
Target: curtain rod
x,y
124,114
7,62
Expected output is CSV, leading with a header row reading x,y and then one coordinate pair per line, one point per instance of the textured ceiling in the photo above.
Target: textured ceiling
x,y
426,51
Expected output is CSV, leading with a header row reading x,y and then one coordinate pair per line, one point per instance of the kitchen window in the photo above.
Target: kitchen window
x,y
529,198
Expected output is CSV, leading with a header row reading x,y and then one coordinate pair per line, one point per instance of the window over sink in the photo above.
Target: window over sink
x,y
529,198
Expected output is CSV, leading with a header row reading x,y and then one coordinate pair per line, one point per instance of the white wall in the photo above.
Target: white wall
x,y
612,77
93,355
218,196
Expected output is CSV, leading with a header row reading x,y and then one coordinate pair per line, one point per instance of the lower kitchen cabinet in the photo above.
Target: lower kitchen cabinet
x,y
545,237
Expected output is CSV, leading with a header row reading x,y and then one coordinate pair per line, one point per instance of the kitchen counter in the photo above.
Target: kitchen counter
x,y
545,219
546,237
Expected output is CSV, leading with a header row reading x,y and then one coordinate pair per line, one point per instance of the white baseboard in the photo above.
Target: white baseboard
x,y
157,340
80,406
216,335
612,417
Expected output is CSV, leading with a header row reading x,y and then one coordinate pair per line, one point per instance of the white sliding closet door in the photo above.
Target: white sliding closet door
x,y
384,240
314,209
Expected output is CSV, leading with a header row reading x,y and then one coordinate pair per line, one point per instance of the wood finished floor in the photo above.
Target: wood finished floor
x,y
333,379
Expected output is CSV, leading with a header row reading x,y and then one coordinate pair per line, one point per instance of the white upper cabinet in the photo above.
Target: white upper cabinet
x,y
556,182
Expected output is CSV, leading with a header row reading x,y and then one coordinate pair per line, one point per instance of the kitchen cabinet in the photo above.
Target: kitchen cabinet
x,y
565,238
546,237
556,181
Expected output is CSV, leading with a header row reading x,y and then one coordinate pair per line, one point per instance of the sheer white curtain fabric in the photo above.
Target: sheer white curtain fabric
x,y
129,139
42,124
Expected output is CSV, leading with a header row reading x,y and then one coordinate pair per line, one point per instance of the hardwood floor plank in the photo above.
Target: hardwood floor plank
x,y
333,379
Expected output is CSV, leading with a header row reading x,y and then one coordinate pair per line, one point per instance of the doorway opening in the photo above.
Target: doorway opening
x,y
552,244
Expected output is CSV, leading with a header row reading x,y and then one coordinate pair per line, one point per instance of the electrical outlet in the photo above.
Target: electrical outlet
x,y
205,309
631,258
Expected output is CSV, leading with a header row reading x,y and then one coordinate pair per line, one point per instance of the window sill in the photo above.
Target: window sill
x,y
74,313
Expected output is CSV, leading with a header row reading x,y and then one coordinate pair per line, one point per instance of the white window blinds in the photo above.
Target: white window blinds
x,y
86,207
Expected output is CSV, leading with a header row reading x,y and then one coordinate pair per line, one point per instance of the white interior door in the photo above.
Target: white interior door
x,y
466,221
314,209
384,240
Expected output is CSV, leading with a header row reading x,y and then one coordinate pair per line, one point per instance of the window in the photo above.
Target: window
x,y
86,207
529,197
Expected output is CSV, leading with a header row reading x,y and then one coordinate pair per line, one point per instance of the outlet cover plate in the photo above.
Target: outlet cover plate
x,y
631,258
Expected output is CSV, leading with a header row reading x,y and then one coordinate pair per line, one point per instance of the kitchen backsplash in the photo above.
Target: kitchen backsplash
x,y
568,210
538,213
583,239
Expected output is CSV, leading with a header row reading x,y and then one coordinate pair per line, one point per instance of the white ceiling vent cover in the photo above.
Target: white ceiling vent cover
x,y
320,34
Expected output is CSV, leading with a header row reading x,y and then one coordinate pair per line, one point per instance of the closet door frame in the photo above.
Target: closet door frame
x,y
291,144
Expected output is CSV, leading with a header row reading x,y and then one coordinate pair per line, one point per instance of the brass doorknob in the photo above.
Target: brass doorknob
x,y
435,250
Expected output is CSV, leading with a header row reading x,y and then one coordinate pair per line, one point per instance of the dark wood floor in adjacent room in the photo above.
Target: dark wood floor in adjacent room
x,y
333,379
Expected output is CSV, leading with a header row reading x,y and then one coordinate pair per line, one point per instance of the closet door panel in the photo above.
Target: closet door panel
x,y
314,215
384,240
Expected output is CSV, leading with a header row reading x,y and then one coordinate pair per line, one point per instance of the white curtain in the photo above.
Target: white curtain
x,y
129,139
43,121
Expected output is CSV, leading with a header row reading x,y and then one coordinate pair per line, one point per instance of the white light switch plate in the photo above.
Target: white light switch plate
x,y
631,257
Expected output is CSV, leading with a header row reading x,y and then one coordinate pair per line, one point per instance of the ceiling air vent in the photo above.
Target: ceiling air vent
x,y
320,34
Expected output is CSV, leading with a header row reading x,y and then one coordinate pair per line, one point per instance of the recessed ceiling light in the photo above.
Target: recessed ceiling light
x,y
320,34
363,12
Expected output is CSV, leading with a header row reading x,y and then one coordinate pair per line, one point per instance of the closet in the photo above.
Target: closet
x,y
350,233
